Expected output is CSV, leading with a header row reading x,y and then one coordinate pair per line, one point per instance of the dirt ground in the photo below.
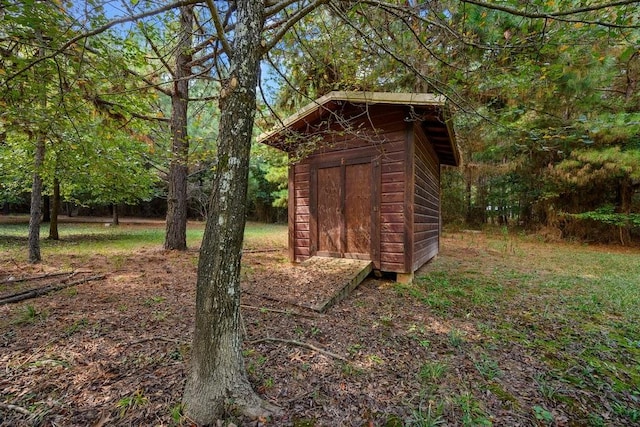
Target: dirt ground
x,y
115,351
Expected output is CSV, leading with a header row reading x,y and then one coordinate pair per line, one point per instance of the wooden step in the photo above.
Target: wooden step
x,y
345,274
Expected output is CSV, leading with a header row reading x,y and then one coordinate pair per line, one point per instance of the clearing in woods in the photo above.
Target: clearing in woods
x,y
500,329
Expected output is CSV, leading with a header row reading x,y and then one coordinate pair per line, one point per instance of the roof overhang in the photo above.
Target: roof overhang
x,y
437,127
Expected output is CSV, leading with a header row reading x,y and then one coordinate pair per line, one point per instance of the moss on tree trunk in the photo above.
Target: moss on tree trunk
x,y
36,202
176,230
217,374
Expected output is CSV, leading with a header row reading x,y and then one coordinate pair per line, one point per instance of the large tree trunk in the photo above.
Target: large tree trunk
x,y
176,231
55,210
217,375
36,203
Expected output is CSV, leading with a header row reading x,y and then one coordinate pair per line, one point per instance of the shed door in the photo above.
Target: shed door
x,y
344,208
329,210
357,209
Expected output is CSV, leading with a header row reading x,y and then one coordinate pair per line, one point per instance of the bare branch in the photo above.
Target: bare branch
x,y
300,344
201,60
159,55
219,28
455,98
106,106
97,31
276,7
205,98
295,18
154,48
561,15
550,15
149,83
15,408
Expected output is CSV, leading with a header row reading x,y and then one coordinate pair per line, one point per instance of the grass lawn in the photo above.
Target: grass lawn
x,y
92,238
498,329
574,308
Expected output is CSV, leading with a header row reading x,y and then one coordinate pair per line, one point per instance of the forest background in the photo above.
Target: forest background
x,y
113,105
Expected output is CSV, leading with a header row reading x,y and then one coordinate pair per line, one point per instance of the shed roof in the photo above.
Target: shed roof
x,y
433,116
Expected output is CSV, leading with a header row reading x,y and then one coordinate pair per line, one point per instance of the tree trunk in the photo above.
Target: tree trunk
x,y
625,190
46,209
55,210
217,377
176,228
115,216
36,203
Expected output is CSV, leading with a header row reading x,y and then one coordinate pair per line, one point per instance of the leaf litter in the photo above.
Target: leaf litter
x,y
116,351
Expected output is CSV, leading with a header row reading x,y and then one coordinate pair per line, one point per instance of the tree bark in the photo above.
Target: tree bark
x,y
55,210
115,215
176,228
217,376
46,209
36,186
36,202
625,190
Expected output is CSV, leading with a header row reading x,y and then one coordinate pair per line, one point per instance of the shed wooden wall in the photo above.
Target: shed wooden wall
x,y
406,163
426,213
299,214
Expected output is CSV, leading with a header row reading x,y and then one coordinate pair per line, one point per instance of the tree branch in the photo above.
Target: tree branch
x,y
219,28
15,408
561,16
159,55
33,293
300,344
277,6
99,30
550,15
295,18
149,83
557,16
40,276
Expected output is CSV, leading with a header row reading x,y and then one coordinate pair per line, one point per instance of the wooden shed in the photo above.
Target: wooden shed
x,y
364,180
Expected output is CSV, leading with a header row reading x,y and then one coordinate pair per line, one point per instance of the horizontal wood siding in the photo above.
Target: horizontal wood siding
x,y
426,217
301,203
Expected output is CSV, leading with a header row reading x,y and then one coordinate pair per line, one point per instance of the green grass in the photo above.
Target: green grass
x,y
263,236
432,371
573,307
89,238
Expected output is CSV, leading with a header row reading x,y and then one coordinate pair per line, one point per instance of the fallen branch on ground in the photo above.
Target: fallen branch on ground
x,y
40,276
273,310
15,408
143,340
37,351
300,344
258,251
33,293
